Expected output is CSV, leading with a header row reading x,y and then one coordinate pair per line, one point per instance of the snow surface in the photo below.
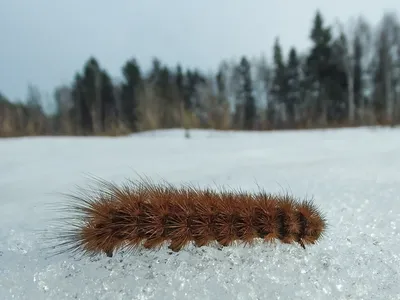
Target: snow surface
x,y
352,174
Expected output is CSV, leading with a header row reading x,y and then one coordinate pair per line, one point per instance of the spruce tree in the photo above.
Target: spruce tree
x,y
319,66
92,92
358,72
247,94
221,86
293,85
279,88
80,113
130,90
179,80
109,115
336,84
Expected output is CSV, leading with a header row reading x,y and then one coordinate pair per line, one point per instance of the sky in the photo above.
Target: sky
x,y
46,42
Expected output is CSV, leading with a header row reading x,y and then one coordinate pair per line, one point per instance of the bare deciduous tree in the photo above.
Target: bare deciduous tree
x,y
351,33
387,45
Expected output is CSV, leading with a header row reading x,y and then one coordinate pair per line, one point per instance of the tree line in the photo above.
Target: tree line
x,y
350,76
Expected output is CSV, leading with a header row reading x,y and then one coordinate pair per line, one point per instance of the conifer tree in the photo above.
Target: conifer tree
x,y
293,85
246,91
319,66
279,89
130,91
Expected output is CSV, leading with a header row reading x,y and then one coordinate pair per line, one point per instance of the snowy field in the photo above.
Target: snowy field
x,y
353,176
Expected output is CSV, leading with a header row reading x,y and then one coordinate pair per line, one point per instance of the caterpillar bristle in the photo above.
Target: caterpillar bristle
x,y
142,214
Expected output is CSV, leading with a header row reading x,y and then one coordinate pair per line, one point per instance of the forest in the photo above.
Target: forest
x,y
350,76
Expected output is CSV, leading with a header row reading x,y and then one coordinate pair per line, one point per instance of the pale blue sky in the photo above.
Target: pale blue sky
x,y
45,42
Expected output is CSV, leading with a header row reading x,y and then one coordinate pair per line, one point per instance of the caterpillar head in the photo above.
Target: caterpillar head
x,y
312,224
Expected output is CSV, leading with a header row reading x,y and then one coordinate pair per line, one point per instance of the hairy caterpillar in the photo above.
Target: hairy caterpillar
x,y
146,214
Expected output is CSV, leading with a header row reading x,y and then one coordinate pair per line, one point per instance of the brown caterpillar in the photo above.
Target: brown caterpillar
x,y
146,214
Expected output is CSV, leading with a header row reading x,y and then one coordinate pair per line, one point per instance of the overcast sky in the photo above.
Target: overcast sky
x,y
45,42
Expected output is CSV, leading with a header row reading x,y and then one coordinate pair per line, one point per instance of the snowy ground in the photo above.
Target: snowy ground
x,y
353,175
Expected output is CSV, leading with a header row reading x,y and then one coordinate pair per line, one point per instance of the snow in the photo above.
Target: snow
x,y
352,174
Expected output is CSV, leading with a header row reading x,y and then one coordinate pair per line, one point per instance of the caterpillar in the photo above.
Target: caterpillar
x,y
144,214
